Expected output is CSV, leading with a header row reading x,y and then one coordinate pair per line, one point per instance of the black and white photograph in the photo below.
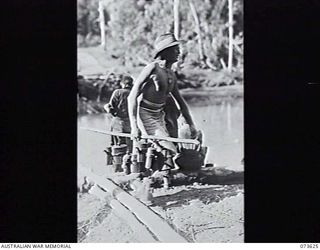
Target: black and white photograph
x,y
160,121
160,144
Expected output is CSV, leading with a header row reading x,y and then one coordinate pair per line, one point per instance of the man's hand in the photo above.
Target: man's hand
x,y
194,131
136,133
107,107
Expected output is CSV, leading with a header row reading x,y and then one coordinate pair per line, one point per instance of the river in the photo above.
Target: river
x,y
221,123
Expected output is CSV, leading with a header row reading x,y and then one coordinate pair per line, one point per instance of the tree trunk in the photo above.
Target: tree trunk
x,y
230,57
102,25
198,31
176,19
176,26
218,9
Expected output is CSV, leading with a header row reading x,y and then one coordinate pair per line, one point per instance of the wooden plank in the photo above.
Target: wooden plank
x,y
144,235
158,226
151,137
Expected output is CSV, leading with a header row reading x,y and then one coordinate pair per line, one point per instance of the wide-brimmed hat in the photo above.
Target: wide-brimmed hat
x,y
164,41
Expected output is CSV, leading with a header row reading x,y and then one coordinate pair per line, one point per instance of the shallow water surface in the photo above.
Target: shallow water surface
x,y
222,126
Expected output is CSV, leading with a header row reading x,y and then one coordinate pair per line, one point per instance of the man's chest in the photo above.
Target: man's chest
x,y
163,80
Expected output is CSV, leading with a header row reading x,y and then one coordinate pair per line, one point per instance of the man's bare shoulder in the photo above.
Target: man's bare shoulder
x,y
146,72
149,68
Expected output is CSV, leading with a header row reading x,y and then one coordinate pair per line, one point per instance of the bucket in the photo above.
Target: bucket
x,y
190,160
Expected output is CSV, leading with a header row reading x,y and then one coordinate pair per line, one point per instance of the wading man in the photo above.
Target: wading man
x,y
118,108
151,90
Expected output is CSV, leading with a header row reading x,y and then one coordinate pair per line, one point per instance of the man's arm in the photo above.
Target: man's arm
x,y
111,107
133,97
184,109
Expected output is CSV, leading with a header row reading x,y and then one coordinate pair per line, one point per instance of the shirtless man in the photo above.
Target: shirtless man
x,y
154,85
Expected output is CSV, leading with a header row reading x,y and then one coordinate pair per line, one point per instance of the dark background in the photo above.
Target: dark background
x,y
281,121
38,122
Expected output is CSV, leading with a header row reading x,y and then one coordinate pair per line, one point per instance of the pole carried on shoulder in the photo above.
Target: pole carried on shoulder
x,y
151,137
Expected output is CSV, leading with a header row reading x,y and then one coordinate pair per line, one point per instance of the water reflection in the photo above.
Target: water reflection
x,y
222,125
229,117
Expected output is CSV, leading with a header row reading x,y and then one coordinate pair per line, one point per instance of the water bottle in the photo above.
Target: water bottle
x,y
150,157
134,168
126,161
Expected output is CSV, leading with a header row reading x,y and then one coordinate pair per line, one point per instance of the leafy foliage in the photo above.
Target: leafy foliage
x,y
133,25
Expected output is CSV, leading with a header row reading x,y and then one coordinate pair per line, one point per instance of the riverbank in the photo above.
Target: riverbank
x,y
99,74
197,97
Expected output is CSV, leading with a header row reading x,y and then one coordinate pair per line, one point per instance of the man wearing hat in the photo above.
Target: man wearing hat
x,y
152,90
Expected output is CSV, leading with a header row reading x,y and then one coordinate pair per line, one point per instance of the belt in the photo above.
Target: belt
x,y
152,110
151,106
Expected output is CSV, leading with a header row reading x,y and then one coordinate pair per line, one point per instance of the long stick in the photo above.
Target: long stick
x,y
152,137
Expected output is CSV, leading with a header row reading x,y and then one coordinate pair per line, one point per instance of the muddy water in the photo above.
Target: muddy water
x,y
221,123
